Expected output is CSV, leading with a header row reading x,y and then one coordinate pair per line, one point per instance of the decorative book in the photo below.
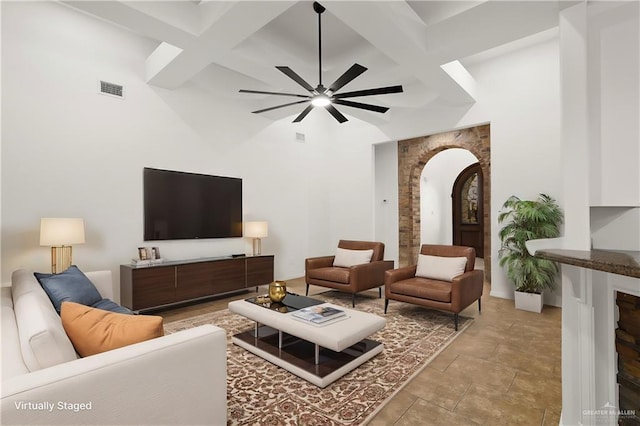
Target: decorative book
x,y
318,314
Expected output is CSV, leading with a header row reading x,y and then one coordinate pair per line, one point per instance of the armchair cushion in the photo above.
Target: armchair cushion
x,y
338,275
439,267
346,258
423,288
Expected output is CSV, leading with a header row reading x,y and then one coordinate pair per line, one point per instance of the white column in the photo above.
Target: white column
x,y
575,125
578,391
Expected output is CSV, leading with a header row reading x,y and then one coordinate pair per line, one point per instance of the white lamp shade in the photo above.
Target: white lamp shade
x,y
55,232
256,229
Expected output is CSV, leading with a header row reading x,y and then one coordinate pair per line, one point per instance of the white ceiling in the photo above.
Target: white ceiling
x,y
227,46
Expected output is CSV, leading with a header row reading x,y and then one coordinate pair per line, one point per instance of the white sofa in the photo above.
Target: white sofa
x,y
177,379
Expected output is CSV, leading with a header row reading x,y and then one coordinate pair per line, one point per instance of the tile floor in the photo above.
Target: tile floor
x,y
503,370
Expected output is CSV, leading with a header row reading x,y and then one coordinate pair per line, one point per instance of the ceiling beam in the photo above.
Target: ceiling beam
x,y
138,21
236,24
394,29
502,22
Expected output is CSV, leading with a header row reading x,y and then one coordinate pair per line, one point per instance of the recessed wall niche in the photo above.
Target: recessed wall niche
x,y
413,155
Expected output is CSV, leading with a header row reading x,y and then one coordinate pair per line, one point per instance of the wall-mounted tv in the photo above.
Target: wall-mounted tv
x,y
181,205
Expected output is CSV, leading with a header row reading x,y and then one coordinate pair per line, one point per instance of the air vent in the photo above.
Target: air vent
x,y
111,89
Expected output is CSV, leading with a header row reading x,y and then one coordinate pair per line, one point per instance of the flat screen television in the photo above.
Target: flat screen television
x,y
181,205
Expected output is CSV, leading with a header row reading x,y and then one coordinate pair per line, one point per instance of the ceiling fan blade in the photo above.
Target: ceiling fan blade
x,y
369,107
295,77
279,106
336,114
260,92
350,74
370,92
303,114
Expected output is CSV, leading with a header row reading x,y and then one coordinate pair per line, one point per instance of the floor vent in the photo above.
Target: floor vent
x,y
111,89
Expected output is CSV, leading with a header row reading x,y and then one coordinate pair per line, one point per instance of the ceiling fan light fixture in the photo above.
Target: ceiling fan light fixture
x,y
320,100
326,97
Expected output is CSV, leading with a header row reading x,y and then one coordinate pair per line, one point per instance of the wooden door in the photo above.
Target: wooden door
x,y
468,215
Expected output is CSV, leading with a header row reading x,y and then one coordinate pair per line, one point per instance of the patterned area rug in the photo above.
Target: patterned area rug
x,y
259,392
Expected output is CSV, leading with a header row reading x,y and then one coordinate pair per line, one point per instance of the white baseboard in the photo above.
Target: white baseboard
x,y
502,294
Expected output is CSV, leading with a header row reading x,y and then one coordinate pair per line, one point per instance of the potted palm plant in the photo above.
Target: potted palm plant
x,y
528,220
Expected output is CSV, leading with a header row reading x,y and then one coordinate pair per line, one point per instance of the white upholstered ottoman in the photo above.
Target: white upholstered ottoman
x,y
319,353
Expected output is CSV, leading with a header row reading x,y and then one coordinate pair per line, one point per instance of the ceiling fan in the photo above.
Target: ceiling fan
x,y
326,96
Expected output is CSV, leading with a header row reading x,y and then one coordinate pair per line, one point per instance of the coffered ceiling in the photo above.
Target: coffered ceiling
x,y
227,46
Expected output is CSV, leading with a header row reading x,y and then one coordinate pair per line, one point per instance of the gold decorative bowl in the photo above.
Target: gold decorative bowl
x,y
277,291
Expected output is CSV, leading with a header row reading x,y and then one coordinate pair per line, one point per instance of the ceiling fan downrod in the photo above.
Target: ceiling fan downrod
x,y
319,9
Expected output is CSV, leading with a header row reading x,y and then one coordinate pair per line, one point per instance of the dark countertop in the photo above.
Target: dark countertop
x,y
615,262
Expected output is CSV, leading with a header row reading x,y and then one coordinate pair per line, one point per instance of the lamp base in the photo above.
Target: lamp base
x,y
257,246
61,258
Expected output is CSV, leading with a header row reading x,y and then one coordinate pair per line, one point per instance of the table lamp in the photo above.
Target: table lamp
x,y
60,234
256,230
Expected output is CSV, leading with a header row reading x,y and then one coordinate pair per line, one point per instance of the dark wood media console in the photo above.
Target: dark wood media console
x,y
169,283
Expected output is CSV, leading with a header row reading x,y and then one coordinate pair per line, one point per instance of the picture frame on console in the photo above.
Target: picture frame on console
x,y
149,253
142,253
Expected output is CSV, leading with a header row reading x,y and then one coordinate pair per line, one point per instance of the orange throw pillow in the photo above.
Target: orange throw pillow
x,y
93,330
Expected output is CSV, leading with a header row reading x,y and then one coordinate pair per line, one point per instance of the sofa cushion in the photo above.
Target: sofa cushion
x,y
43,341
423,288
110,305
93,331
70,286
440,267
346,258
336,275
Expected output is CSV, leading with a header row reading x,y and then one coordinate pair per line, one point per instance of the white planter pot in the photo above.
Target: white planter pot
x,y
529,301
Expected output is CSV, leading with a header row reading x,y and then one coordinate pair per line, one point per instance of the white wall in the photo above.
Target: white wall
x,y
518,94
69,152
312,193
615,228
614,127
614,86
386,198
436,185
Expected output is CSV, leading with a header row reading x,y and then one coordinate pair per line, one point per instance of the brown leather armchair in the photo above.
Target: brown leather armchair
x,y
403,285
321,272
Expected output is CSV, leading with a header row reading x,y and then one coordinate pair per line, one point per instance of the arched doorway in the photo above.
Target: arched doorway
x,y
436,186
413,154
467,209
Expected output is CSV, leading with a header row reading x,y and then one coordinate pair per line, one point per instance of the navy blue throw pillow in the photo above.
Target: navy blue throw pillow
x,y
69,286
110,305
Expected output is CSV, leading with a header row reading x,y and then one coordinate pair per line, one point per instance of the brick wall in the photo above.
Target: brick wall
x,y
413,155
